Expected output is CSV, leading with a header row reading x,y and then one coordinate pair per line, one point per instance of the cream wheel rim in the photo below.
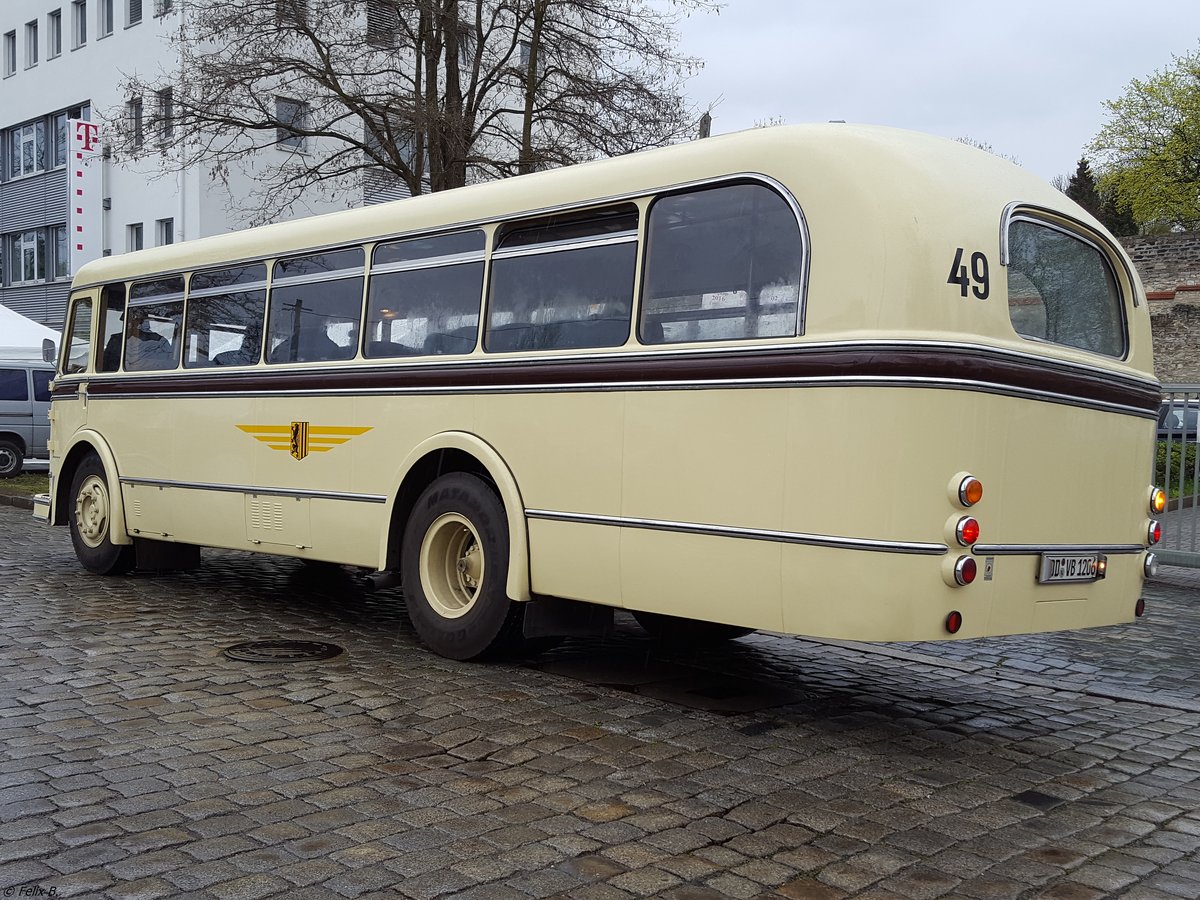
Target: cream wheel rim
x,y
452,565
91,511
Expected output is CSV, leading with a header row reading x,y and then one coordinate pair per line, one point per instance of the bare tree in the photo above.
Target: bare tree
x,y
435,93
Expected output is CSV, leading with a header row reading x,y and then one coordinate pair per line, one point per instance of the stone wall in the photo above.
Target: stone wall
x,y
1165,261
1169,266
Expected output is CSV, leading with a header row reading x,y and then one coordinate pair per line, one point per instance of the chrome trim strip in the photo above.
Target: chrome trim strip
x,y
318,277
1038,549
428,262
705,385
256,490
752,534
637,351
584,243
223,290
157,298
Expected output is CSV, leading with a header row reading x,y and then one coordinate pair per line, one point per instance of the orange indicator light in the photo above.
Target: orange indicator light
x,y
970,491
1158,501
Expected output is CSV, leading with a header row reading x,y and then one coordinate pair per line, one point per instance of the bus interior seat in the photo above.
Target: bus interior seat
x,y
377,349
239,357
652,331
461,340
609,332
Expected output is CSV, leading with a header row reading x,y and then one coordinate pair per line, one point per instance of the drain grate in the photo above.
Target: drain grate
x,y
283,651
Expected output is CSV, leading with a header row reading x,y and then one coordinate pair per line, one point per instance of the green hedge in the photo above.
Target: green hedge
x,y
1183,460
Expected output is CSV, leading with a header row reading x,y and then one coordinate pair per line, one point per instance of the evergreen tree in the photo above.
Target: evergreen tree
x,y
1082,188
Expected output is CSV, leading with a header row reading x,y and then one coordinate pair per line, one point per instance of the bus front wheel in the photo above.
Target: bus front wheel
x,y
454,561
90,517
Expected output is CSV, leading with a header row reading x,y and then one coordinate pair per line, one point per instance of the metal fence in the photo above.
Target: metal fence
x,y
1177,470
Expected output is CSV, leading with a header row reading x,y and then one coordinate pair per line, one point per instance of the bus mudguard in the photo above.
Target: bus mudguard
x,y
518,584
117,532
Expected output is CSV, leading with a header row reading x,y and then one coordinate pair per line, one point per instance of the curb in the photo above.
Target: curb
x,y
17,500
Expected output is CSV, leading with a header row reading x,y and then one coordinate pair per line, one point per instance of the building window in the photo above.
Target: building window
x,y
164,232
383,23
31,44
61,254
27,149
78,23
10,53
133,236
133,118
133,12
58,129
291,117
106,18
54,34
291,12
165,114
27,257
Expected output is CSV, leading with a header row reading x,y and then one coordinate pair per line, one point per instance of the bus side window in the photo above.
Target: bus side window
x,y
563,283
225,317
112,311
722,263
425,295
79,339
315,307
152,325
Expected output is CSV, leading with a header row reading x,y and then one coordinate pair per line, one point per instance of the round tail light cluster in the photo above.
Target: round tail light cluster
x,y
967,531
1158,501
1154,532
970,491
965,570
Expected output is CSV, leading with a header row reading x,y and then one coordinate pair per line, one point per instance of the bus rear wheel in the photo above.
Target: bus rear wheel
x,y
90,517
679,632
454,561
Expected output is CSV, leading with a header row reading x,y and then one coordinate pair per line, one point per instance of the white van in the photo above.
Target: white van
x,y
24,413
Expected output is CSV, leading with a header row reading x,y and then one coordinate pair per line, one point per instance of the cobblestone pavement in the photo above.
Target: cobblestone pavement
x,y
138,761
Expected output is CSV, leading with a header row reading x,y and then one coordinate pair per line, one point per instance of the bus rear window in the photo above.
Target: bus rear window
x,y
1062,289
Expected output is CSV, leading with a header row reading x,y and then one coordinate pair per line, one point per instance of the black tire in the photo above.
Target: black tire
x,y
454,561
88,517
680,632
11,459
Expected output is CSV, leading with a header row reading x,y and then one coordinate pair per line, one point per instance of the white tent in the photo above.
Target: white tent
x,y
21,338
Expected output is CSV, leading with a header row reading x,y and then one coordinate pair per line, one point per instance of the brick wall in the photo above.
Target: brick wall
x,y
1169,266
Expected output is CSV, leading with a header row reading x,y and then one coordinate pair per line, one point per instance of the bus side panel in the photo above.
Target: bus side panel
x,y
704,457
565,451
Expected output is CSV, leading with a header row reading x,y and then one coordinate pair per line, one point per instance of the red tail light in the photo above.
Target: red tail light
x,y
954,622
1154,532
965,570
967,531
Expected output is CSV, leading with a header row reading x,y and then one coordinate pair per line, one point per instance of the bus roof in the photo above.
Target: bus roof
x,y
871,171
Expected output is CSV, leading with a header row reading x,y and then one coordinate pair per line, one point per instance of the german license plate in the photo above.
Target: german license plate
x,y
1064,567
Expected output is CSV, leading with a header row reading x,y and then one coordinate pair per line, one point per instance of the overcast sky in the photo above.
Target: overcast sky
x,y
1028,77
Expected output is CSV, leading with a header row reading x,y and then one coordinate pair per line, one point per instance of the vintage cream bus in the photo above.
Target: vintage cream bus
x,y
825,380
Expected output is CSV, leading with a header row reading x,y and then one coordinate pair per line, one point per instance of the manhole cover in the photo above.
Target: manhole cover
x,y
282,651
